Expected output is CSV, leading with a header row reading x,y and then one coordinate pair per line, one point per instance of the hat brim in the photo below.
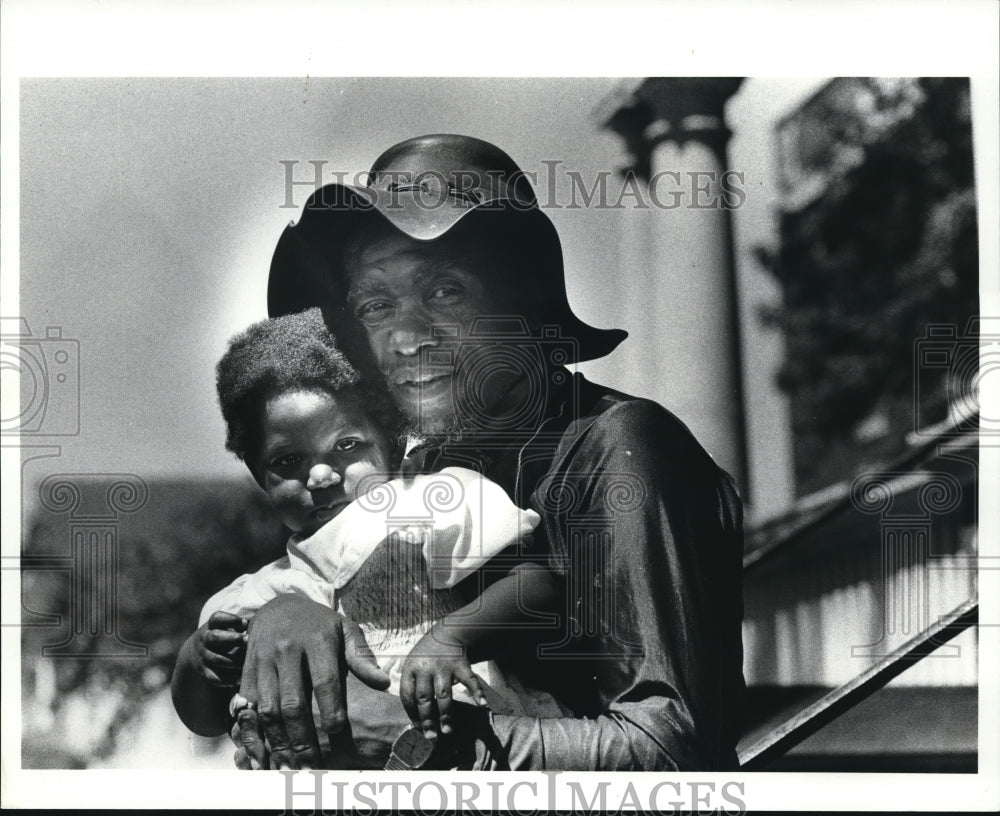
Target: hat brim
x,y
307,266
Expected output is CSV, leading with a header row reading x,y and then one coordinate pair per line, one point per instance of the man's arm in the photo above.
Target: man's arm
x,y
657,605
510,615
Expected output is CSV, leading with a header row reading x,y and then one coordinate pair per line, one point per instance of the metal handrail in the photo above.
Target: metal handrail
x,y
808,721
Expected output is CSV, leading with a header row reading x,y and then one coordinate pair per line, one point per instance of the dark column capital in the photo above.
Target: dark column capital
x,y
676,109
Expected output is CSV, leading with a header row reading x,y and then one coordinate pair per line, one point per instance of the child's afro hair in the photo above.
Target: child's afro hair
x,y
290,353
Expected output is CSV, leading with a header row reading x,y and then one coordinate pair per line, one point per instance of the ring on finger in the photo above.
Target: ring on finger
x,y
240,703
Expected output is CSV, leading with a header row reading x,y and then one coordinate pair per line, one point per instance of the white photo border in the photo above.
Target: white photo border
x,y
84,39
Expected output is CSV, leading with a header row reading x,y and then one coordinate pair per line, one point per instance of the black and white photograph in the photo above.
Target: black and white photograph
x,y
501,407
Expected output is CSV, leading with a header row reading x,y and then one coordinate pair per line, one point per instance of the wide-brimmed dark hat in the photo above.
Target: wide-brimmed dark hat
x,y
425,187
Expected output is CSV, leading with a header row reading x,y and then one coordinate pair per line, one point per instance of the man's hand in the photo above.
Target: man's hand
x,y
377,718
220,649
432,667
251,752
298,649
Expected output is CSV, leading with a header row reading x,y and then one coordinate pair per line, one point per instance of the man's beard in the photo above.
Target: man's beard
x,y
441,430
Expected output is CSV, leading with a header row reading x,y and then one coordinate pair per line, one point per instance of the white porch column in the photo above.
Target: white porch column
x,y
674,129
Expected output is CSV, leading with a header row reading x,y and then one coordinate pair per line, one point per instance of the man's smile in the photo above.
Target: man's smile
x,y
422,386
420,376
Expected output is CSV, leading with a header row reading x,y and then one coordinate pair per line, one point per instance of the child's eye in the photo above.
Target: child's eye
x,y
289,460
345,445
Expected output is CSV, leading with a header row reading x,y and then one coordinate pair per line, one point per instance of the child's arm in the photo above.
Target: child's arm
x,y
207,673
488,628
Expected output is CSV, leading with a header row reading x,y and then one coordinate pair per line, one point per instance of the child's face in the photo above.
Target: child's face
x,y
316,452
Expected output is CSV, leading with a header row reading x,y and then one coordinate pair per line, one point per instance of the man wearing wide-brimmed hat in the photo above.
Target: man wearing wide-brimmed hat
x,y
450,275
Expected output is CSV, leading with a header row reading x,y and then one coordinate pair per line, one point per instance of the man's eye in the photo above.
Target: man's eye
x,y
445,291
373,310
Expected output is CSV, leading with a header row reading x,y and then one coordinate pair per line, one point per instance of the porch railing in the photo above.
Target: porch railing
x,y
811,719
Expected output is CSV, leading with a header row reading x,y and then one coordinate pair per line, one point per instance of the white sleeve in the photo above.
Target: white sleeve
x,y
474,520
250,592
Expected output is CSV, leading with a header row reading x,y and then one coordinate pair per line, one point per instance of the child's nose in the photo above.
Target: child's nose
x,y
321,476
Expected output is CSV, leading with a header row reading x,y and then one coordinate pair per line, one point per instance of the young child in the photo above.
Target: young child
x,y
324,443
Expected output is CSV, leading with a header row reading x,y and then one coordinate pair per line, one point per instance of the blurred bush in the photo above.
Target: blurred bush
x,y
190,539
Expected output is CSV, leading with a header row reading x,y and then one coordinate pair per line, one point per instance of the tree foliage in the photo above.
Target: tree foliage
x,y
888,247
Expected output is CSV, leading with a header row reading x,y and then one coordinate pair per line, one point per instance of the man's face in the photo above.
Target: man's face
x,y
404,292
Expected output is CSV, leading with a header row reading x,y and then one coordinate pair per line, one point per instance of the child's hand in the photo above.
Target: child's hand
x,y
220,649
432,667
